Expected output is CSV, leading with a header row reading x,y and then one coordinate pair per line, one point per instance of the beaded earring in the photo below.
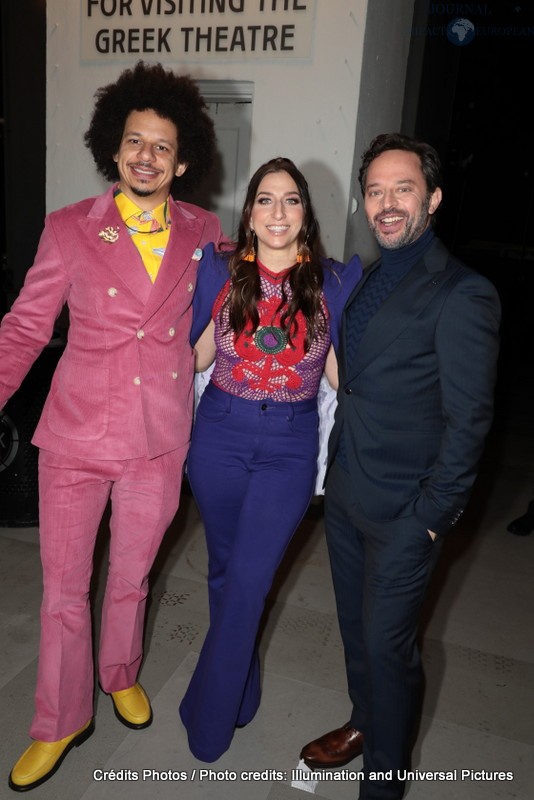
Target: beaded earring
x,y
301,258
251,255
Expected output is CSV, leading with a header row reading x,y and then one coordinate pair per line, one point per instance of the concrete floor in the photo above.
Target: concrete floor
x,y
478,649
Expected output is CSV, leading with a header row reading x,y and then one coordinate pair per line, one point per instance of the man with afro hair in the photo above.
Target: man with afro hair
x,y
116,424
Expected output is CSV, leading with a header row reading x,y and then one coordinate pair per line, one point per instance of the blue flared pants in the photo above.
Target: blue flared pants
x,y
252,467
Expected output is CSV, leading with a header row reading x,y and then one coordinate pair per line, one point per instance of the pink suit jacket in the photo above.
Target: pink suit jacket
x,y
123,387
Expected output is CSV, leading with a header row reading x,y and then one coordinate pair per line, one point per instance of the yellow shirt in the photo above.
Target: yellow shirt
x,y
149,230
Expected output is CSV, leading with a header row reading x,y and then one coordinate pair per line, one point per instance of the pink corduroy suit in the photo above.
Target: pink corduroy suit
x,y
116,423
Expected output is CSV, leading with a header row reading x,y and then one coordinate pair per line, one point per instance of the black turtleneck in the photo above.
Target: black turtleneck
x,y
402,260
394,266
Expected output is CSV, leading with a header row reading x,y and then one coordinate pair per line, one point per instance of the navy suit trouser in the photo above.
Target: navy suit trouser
x,y
252,468
380,572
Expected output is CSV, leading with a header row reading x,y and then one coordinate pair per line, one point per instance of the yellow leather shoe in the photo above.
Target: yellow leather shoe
x,y
132,707
39,762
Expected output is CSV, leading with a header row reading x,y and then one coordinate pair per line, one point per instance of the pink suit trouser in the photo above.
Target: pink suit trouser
x,y
73,495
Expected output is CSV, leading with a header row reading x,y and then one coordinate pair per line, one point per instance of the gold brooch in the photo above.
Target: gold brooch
x,y
109,234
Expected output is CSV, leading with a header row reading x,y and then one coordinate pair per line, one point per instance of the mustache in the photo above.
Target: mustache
x,y
392,211
146,164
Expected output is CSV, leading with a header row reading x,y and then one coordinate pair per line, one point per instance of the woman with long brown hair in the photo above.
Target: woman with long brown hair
x,y
268,313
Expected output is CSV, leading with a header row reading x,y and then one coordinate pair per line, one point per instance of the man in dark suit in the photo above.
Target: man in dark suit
x,y
417,368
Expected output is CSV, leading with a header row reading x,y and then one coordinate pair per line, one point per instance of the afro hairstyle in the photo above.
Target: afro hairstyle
x,y
173,97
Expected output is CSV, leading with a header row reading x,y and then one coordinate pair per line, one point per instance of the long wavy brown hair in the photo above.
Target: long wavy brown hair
x,y
304,281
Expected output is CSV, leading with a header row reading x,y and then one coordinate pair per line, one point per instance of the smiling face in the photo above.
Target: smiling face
x,y
147,158
277,216
398,205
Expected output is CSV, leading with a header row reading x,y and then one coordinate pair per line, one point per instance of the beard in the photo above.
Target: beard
x,y
414,228
142,192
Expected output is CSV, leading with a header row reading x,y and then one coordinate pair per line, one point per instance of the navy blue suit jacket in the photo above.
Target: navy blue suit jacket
x,y
417,401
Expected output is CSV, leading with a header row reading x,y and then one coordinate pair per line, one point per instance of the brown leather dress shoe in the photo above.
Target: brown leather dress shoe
x,y
334,749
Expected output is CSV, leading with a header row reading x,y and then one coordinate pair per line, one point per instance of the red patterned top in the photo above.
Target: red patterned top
x,y
265,365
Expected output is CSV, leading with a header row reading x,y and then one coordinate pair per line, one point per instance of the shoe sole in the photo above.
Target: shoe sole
x,y
518,531
134,726
321,765
76,742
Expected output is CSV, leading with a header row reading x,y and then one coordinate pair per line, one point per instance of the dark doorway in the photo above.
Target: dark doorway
x,y
22,172
23,46
474,106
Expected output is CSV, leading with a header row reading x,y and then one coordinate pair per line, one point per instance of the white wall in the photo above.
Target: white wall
x,y
304,108
380,108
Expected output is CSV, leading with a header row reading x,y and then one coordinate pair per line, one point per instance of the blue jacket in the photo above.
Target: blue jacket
x,y
339,282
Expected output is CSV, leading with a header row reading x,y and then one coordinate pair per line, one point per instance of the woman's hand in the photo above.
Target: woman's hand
x,y
330,368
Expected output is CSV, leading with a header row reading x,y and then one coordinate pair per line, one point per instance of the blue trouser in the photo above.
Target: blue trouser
x,y
380,571
251,467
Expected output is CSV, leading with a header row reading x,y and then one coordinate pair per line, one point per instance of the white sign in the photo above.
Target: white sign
x,y
196,30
